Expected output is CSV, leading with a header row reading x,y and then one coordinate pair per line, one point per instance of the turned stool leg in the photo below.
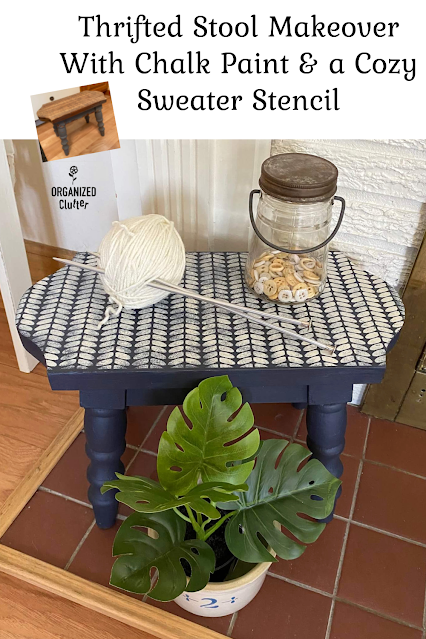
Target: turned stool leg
x,y
55,128
62,132
99,119
86,117
105,435
326,437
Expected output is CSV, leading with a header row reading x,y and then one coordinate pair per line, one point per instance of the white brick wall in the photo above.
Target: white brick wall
x,y
384,184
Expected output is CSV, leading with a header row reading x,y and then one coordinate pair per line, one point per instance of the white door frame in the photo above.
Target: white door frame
x,y
14,270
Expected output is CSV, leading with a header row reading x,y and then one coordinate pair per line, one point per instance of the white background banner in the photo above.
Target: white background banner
x,y
383,98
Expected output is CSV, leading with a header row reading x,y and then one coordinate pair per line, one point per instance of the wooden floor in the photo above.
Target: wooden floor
x,y
31,415
83,138
29,613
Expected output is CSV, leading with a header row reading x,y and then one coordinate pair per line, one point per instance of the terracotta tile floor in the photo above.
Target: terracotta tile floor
x,y
365,577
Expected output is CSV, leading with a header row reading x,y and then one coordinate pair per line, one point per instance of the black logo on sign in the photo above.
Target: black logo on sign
x,y
68,192
73,172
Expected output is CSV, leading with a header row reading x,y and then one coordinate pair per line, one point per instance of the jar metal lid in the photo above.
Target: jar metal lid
x,y
298,177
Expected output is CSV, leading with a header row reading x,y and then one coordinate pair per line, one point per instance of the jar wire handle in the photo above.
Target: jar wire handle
x,y
295,251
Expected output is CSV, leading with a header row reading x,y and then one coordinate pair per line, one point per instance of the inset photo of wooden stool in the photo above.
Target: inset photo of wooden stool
x,y
64,125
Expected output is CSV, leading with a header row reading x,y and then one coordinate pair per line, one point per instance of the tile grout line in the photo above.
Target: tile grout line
x,y
273,432
378,613
388,534
232,624
287,436
398,470
79,545
132,446
296,429
301,441
156,420
346,535
148,452
383,532
136,453
299,584
369,461
43,489
139,449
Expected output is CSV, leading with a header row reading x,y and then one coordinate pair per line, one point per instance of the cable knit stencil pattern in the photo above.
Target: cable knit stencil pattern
x,y
358,312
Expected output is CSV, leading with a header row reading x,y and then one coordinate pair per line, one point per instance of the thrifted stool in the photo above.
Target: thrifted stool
x,y
62,112
156,355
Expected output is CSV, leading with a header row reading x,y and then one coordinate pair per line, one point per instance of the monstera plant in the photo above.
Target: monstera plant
x,y
216,473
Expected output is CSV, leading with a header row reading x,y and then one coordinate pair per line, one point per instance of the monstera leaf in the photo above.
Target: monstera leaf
x,y
139,554
207,451
280,494
148,496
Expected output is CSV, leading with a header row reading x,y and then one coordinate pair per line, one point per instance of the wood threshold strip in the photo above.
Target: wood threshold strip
x,y
120,607
38,473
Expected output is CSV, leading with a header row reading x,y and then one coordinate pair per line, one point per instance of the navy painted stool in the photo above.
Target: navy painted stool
x,y
156,355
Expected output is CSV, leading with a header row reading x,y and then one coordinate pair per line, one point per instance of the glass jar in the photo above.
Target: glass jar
x,y
288,246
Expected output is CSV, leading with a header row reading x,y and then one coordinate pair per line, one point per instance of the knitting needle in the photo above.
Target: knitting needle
x,y
218,302
165,286
287,333
247,315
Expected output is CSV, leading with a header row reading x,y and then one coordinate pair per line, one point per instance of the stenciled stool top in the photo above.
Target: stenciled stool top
x,y
358,312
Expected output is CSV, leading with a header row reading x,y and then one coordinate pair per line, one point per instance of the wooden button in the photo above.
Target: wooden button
x,y
291,279
308,263
281,283
264,277
310,275
269,287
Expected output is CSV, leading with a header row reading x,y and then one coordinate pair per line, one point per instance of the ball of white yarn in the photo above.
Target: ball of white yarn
x,y
136,251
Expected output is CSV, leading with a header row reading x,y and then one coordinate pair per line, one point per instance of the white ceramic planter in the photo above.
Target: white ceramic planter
x,y
220,599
